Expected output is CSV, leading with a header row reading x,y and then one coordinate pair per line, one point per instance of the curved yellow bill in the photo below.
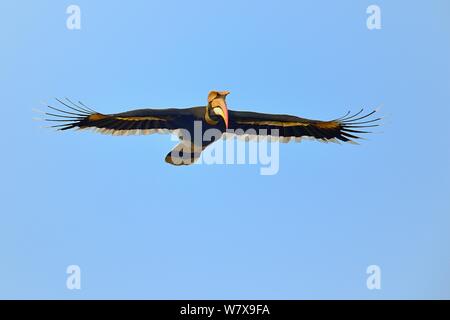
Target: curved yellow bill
x,y
221,110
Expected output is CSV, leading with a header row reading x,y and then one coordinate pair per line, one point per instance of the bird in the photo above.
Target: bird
x,y
214,116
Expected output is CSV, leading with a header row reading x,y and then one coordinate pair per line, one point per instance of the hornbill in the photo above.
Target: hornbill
x,y
215,115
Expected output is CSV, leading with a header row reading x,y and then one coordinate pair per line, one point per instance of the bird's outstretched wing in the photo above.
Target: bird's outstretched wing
x,y
346,128
70,115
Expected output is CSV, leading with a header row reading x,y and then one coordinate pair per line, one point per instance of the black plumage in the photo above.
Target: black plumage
x,y
215,115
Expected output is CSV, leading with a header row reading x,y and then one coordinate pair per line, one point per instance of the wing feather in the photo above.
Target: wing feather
x,y
342,128
141,121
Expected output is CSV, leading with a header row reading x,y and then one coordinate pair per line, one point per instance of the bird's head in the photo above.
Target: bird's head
x,y
217,107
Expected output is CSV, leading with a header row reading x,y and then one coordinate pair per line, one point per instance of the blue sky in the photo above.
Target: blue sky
x,y
139,228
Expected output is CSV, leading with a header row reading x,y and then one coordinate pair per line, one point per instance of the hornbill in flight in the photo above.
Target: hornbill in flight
x,y
215,115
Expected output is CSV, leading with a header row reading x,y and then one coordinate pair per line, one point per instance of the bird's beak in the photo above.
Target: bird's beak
x,y
220,108
225,110
225,115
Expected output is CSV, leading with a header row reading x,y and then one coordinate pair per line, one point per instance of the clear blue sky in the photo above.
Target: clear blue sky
x,y
139,228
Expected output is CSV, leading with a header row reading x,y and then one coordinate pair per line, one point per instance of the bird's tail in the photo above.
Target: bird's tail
x,y
184,154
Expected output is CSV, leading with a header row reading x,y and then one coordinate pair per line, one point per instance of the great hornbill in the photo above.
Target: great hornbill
x,y
215,115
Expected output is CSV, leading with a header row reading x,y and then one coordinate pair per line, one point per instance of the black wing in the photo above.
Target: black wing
x,y
344,129
143,121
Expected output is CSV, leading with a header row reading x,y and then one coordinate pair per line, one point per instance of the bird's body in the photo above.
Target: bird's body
x,y
195,122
